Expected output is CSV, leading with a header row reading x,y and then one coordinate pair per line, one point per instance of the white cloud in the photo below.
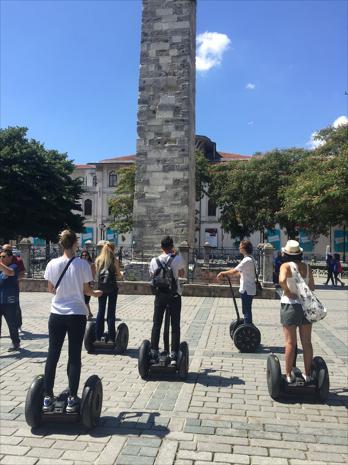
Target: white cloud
x,y
250,86
313,143
210,48
250,123
340,121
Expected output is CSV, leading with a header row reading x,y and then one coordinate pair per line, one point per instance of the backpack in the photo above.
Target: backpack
x,y
163,279
106,280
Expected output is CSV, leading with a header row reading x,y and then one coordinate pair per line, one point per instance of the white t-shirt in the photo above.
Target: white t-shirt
x,y
176,265
247,276
69,298
292,286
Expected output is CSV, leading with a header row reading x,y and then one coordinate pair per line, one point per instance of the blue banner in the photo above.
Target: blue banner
x,y
273,237
340,240
87,235
111,236
305,241
39,242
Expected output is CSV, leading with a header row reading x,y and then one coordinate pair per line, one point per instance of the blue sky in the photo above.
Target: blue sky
x,y
276,72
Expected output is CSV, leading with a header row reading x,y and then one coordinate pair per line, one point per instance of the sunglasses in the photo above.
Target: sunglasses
x,y
3,256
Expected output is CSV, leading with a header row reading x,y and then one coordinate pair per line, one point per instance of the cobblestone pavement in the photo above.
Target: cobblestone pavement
x,y
221,415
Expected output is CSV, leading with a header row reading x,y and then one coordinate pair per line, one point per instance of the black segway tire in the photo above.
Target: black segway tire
x,y
89,338
274,376
34,401
247,338
122,337
144,359
321,375
91,402
234,324
183,360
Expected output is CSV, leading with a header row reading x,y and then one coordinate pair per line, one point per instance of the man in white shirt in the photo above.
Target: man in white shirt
x,y
169,299
246,269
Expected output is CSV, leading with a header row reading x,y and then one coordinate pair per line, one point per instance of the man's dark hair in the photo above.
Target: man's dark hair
x,y
167,243
247,246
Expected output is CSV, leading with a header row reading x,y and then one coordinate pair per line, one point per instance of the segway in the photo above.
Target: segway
x,y
162,365
119,345
89,411
278,385
246,337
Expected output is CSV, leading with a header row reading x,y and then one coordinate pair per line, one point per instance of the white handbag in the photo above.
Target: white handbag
x,y
313,309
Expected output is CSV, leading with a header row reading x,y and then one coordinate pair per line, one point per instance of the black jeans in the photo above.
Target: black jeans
x,y
330,276
162,301
58,326
9,312
110,317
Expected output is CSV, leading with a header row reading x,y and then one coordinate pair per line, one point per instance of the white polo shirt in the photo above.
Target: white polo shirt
x,y
247,275
176,265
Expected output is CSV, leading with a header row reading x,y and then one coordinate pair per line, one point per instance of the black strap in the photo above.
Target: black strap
x,y
256,274
63,272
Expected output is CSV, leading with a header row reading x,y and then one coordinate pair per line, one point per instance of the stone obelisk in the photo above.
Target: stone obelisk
x,y
164,200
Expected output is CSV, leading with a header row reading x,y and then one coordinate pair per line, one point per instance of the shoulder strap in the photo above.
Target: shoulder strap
x,y
169,262
256,273
63,272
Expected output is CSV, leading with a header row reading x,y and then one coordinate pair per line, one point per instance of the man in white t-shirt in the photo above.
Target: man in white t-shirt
x,y
246,269
167,299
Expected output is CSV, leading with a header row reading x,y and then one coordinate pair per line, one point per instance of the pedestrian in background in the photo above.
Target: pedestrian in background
x,y
337,268
9,295
329,269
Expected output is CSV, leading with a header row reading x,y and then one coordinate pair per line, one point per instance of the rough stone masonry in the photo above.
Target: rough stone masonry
x,y
165,170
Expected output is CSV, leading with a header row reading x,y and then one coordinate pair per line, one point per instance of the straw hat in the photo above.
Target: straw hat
x,y
292,248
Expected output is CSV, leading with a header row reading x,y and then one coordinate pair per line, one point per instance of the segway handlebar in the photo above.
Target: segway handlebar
x,y
233,297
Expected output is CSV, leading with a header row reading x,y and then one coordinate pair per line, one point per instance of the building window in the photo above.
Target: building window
x,y
112,179
94,181
88,207
211,208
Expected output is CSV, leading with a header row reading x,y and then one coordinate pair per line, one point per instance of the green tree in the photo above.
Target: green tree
x,y
249,192
122,205
316,196
38,195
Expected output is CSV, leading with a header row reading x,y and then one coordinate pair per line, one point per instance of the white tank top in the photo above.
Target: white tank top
x,y
292,286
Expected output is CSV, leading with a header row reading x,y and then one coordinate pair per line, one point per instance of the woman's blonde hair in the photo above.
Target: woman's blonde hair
x,y
106,258
67,239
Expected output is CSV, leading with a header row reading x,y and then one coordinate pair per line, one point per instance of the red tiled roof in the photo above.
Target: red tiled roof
x,y
118,159
84,166
233,156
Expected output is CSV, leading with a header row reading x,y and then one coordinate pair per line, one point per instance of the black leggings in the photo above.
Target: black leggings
x,y
58,326
162,301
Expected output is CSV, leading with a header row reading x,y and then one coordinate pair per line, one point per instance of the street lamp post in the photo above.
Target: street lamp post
x,y
102,228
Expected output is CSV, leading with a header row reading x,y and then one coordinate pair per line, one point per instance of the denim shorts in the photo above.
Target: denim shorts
x,y
292,315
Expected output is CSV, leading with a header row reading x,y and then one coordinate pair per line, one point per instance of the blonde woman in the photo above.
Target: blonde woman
x,y
107,272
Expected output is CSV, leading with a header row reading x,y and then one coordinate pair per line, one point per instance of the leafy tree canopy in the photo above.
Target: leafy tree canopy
x,y
37,191
122,205
316,197
249,192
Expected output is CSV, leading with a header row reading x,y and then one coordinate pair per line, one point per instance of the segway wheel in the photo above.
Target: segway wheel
x,y
274,376
183,360
234,324
321,374
122,337
91,402
33,402
89,338
247,338
144,359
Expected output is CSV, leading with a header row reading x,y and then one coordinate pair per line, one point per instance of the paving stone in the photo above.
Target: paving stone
x,y
232,458
18,460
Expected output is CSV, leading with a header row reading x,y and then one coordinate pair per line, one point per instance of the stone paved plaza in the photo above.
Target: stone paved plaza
x,y
221,415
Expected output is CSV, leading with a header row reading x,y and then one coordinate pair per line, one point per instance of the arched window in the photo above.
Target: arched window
x,y
88,207
211,207
94,181
112,179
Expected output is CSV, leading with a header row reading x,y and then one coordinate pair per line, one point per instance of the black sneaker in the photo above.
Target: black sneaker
x,y
73,404
173,357
48,403
14,347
